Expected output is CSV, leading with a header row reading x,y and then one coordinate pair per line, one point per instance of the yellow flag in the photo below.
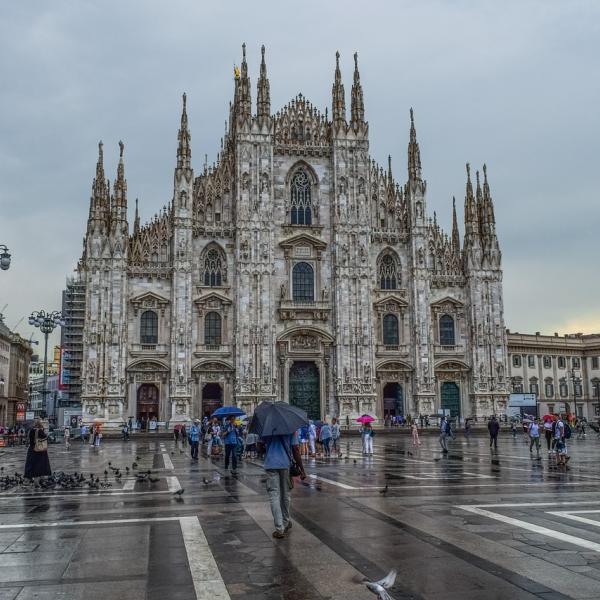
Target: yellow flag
x,y
236,72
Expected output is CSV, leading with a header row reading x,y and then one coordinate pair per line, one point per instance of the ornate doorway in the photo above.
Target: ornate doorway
x,y
147,401
451,398
304,388
212,398
393,400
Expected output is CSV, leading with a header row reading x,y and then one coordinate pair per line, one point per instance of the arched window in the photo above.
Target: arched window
x,y
301,199
215,272
212,329
391,336
447,337
388,271
303,283
149,327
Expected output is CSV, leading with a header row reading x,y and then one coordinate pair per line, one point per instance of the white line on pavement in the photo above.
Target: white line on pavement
x,y
208,583
574,516
173,484
168,462
557,535
336,483
84,523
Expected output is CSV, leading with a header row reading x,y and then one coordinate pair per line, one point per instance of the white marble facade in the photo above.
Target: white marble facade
x,y
293,268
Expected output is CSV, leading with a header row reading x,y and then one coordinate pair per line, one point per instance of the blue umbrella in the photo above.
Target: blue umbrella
x,y
277,418
228,411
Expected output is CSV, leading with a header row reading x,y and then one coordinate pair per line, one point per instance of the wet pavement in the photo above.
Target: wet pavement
x,y
470,525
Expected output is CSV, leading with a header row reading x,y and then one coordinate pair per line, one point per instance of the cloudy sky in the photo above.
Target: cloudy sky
x,y
515,84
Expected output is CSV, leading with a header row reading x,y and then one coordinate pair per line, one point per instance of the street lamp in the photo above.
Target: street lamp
x,y
46,322
575,380
4,257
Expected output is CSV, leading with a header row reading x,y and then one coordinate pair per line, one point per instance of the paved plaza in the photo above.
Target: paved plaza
x,y
469,525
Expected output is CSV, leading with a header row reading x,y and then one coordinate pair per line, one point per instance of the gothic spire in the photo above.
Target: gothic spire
x,y
184,150
357,105
455,234
263,94
471,217
99,189
119,204
338,97
488,203
414,154
100,199
244,95
136,220
479,197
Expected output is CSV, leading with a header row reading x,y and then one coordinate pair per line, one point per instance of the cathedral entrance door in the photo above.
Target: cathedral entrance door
x,y
147,402
212,398
304,388
451,398
393,400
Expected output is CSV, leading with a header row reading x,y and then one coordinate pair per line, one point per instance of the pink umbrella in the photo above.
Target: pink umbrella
x,y
365,419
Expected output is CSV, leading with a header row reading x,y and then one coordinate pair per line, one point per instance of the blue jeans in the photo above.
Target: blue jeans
x,y
279,485
326,449
230,451
194,449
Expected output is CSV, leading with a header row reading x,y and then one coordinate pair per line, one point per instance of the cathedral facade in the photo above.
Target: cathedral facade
x,y
293,268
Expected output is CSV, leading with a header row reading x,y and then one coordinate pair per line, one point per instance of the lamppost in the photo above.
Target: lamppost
x,y
4,257
46,322
573,374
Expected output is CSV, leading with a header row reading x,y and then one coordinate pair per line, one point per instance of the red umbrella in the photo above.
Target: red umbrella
x,y
549,418
365,419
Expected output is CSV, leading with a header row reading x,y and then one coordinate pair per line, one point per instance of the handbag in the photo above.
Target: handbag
x,y
40,445
295,470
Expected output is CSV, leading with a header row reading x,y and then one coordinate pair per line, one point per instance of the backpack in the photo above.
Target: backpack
x,y
448,428
567,430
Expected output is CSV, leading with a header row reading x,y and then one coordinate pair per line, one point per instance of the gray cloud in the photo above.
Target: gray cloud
x,y
514,84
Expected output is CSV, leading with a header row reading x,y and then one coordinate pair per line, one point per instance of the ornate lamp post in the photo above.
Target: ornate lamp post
x,y
46,322
4,257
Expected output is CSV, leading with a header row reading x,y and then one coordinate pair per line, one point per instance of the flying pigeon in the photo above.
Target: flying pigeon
x,y
379,587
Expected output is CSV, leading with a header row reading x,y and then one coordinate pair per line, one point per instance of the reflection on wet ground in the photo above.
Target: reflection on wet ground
x,y
469,525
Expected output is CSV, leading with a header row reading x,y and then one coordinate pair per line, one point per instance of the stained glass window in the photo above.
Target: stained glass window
x,y
303,283
212,329
390,330
447,337
149,327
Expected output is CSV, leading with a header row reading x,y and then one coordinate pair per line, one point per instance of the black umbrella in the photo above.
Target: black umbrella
x,y
277,418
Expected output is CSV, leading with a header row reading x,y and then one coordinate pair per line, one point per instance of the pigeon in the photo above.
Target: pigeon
x,y
379,587
384,490
105,472
134,465
409,453
354,461
179,492
205,481
109,463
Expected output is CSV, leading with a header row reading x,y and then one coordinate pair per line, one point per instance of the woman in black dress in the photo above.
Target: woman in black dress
x,y
37,463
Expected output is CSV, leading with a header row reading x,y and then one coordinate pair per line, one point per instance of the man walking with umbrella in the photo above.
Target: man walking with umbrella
x,y
230,439
276,423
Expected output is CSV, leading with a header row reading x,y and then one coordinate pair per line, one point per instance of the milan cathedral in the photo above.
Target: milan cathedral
x,y
293,268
